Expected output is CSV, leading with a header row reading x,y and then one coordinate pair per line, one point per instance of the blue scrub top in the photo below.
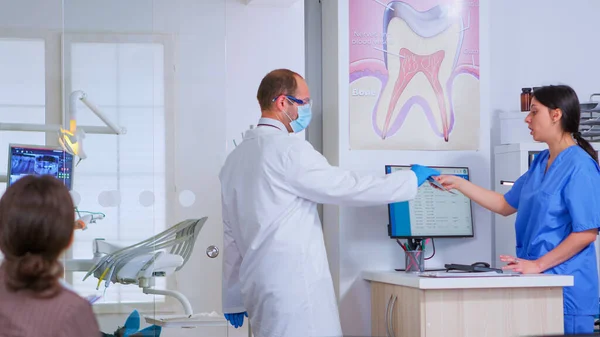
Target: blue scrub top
x,y
553,204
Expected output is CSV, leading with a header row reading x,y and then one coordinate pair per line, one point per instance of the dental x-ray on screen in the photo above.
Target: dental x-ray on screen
x,y
39,160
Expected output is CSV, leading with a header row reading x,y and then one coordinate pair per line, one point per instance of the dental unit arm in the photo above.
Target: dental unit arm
x,y
82,222
139,264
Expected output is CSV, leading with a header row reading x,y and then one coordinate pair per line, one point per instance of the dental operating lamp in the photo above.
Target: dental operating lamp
x,y
71,136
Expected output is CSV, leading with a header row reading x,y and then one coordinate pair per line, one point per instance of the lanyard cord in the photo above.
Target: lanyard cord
x,y
273,126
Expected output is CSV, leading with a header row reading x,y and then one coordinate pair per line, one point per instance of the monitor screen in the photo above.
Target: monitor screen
x,y
433,213
26,160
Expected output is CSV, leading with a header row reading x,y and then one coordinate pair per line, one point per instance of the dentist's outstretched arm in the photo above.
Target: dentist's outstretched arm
x,y
491,200
309,176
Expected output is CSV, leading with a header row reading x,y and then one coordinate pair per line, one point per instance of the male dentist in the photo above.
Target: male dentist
x,y
275,264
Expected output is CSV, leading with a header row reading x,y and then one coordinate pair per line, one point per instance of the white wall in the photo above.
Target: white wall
x,y
543,42
357,237
260,38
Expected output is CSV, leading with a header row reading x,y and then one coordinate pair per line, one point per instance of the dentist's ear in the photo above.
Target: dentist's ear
x,y
280,102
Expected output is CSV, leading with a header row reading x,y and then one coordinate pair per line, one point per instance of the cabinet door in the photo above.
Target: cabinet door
x,y
381,300
407,312
396,311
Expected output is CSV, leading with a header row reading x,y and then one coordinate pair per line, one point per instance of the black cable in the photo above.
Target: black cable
x,y
433,253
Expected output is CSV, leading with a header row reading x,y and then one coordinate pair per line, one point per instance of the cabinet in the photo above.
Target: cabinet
x,y
405,305
391,305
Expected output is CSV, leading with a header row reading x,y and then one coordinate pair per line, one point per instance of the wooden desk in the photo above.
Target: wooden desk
x,y
406,305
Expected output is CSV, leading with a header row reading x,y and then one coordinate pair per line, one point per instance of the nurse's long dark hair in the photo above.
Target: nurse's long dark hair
x,y
564,98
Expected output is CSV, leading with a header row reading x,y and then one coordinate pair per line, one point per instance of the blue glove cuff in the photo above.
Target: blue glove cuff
x,y
423,173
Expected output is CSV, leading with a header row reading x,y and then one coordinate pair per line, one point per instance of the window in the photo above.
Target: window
x,y
22,92
124,176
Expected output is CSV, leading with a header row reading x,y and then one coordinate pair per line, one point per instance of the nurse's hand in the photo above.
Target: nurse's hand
x,y
450,182
520,265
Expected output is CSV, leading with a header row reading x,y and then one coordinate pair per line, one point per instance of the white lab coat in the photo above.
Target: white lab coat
x,y
275,263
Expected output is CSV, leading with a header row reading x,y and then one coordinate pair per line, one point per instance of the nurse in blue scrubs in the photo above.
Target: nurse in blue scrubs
x,y
558,203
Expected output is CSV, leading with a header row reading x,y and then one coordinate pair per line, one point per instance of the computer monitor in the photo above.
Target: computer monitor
x,y
433,213
24,160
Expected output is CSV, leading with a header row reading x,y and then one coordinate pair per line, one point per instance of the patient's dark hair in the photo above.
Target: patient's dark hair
x,y
36,226
563,97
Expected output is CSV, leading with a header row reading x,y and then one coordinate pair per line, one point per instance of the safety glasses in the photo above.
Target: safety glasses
x,y
306,101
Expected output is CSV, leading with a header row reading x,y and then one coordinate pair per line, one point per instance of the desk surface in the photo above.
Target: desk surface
x,y
415,281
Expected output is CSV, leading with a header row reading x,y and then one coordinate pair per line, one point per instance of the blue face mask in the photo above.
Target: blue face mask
x,y
304,117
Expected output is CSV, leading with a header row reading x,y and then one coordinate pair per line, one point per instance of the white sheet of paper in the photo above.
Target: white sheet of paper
x,y
443,274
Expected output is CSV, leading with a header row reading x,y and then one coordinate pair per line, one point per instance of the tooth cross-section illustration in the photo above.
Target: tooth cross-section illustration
x,y
423,54
411,65
434,59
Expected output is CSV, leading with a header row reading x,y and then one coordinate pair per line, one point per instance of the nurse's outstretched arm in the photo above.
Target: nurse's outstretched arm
x,y
309,175
490,200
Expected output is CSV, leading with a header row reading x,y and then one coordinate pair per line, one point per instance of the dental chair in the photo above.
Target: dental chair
x,y
139,264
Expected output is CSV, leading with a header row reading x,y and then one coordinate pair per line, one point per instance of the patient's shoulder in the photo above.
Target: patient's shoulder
x,y
77,314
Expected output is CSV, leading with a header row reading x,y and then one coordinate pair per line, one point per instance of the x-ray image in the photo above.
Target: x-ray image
x,y
46,165
37,160
35,164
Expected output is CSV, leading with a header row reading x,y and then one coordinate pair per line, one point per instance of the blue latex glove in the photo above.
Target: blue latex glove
x,y
237,320
423,173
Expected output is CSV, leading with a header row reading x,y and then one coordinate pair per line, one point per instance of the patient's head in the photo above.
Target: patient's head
x,y
36,226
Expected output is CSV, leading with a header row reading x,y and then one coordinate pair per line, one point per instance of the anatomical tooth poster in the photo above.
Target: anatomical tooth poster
x,y
414,75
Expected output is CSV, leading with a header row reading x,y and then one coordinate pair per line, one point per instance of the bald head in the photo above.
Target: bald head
x,y
279,94
276,83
